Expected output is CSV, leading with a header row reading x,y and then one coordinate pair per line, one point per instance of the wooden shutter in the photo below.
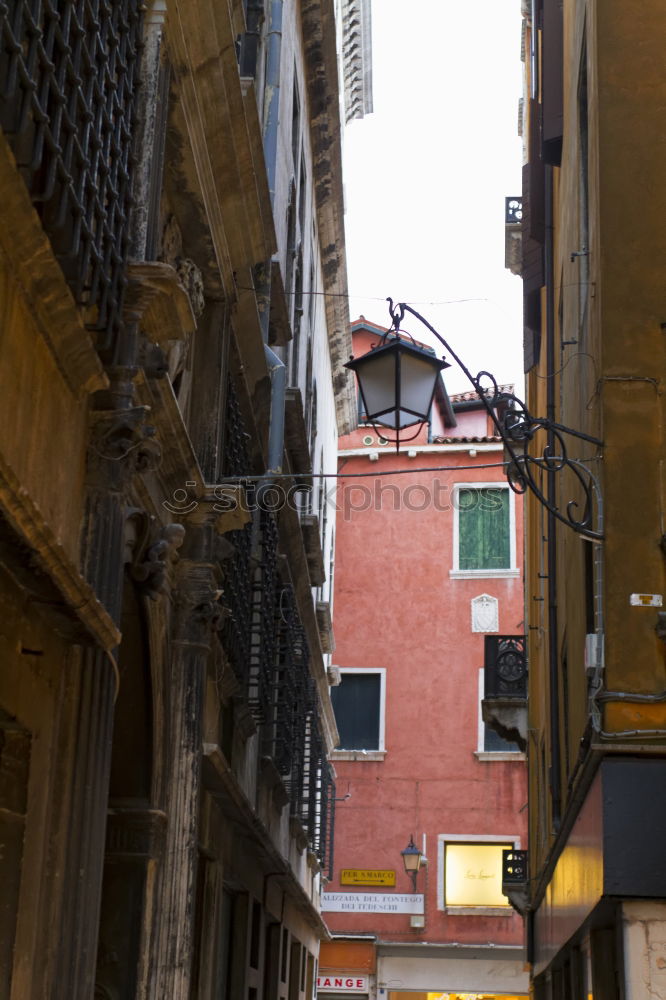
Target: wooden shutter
x,y
552,47
484,529
533,239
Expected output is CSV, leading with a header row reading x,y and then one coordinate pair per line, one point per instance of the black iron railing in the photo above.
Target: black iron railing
x,y
293,695
323,821
239,569
505,667
264,634
317,804
265,640
291,732
68,73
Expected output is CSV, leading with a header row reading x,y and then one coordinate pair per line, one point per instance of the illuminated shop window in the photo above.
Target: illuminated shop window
x,y
473,874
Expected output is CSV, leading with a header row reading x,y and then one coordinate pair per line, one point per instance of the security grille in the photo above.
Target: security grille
x,y
318,798
324,837
291,734
68,73
505,666
264,638
293,695
239,569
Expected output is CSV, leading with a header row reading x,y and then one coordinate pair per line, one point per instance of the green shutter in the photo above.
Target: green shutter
x,y
484,528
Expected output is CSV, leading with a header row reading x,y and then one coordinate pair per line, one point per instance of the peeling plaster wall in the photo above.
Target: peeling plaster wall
x,y
644,936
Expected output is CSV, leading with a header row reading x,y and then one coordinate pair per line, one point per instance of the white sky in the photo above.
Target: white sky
x,y
426,176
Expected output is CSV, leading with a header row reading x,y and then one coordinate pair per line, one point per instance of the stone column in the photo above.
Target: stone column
x,y
120,446
198,613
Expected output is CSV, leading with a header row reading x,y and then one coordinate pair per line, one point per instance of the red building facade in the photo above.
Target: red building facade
x,y
428,563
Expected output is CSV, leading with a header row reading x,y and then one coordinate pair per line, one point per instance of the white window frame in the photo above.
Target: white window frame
x,y
480,753
380,752
459,838
465,574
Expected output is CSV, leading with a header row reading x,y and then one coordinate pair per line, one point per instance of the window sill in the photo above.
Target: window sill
x,y
516,755
479,911
358,754
481,574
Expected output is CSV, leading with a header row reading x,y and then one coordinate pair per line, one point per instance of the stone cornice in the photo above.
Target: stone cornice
x,y
75,598
221,123
319,38
45,291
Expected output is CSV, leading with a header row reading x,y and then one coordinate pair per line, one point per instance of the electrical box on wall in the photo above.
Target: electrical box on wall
x,y
417,920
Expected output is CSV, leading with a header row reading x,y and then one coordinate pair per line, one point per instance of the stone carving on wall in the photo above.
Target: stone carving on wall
x,y
152,553
485,613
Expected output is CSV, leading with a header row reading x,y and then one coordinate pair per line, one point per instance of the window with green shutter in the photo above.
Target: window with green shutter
x,y
484,534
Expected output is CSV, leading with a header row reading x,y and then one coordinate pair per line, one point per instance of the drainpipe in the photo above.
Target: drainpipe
x,y
272,92
278,374
276,367
553,651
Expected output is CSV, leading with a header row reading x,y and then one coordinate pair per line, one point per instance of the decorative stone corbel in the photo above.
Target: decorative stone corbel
x,y
158,301
122,444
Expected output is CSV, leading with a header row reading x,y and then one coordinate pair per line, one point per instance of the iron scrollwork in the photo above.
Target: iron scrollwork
x,y
518,429
505,666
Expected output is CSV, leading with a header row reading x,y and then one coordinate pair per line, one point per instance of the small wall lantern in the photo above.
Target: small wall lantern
x,y
411,857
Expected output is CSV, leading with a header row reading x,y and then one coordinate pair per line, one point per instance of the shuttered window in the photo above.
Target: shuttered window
x,y
484,536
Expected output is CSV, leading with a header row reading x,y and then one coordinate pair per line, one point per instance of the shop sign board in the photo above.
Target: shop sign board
x,y
342,983
367,876
372,902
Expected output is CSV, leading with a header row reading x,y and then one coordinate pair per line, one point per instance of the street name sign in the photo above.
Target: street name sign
x,y
372,902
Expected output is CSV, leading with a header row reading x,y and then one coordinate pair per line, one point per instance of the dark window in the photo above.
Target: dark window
x,y
484,538
494,743
284,955
357,707
255,935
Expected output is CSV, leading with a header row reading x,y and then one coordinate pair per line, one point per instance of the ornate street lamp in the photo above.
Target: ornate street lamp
x,y
397,381
411,857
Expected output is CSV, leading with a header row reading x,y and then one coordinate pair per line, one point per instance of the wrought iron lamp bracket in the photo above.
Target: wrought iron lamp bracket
x,y
517,428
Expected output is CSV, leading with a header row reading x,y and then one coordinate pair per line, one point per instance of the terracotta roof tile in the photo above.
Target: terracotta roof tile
x,y
464,397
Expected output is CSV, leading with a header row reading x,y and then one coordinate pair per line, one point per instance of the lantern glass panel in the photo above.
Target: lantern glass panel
x,y
412,860
417,386
377,382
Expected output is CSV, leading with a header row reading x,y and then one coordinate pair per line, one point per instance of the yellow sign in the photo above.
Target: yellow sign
x,y
367,876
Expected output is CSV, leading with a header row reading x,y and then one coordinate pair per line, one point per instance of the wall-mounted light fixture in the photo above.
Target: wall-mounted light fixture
x,y
411,857
397,380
